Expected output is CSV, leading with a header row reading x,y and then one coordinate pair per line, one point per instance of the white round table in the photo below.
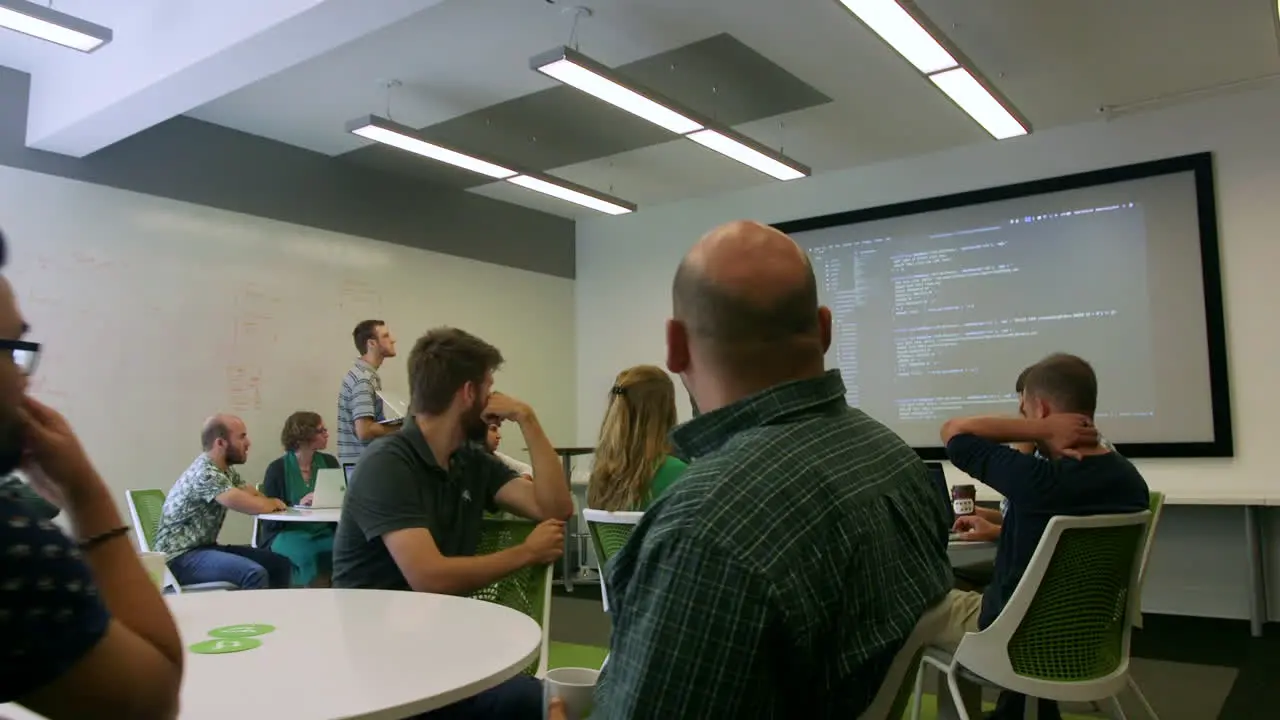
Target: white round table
x,y
372,654
329,515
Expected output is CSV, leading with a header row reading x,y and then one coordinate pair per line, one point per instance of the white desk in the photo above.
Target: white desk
x,y
348,653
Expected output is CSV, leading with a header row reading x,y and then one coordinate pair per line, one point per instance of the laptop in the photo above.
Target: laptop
x,y
394,410
347,470
939,478
331,487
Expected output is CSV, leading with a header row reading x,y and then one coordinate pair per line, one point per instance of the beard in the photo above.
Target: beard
x,y
13,443
474,427
236,456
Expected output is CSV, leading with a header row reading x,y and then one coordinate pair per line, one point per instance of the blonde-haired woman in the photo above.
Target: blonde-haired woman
x,y
633,465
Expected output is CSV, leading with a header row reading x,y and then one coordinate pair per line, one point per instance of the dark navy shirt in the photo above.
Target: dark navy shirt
x,y
1038,489
50,612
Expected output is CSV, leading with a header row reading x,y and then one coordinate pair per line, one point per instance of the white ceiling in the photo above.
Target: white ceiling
x,y
1057,62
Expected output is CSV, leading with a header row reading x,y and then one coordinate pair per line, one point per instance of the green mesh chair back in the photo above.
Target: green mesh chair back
x,y
608,539
525,590
146,507
1074,629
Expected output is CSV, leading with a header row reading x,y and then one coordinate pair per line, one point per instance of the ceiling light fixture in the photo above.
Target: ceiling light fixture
x,y
906,29
389,132
45,23
579,71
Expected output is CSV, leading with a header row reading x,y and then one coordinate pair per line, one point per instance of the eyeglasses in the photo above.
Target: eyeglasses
x,y
26,355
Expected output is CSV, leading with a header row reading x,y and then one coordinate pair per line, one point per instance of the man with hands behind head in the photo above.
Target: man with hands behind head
x,y
1074,472
414,509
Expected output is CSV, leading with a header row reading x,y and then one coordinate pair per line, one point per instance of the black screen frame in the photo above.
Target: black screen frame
x,y
1201,165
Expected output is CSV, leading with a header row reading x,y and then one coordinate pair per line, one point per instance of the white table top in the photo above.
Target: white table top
x,y
378,655
291,515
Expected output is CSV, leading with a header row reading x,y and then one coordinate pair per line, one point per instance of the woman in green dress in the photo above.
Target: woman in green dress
x,y
292,478
633,463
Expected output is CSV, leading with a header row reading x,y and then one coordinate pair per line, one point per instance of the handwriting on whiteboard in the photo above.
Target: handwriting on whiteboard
x,y
244,388
359,300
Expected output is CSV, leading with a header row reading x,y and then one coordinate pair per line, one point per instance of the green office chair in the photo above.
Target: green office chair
x,y
609,533
527,590
145,509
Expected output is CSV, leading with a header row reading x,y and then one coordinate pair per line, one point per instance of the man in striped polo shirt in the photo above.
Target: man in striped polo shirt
x,y
359,406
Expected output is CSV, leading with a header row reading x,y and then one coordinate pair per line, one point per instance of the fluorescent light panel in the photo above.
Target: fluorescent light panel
x,y
584,74
579,71
569,194
745,154
399,136
915,43
965,90
903,33
45,23
386,133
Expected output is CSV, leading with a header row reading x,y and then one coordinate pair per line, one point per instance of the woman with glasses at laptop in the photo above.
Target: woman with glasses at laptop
x,y
633,463
292,478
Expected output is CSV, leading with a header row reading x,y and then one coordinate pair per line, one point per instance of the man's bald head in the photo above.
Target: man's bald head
x,y
218,427
748,292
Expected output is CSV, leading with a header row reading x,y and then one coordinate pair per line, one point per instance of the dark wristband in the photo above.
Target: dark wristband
x,y
93,542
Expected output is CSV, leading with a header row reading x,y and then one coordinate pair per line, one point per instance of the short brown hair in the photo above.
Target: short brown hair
x,y
1021,383
1066,381
366,331
299,428
214,430
444,360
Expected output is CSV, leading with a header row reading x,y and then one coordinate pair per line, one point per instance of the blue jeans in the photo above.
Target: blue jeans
x,y
245,567
519,698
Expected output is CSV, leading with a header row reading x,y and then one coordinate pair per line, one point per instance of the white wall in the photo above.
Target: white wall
x,y
154,314
625,266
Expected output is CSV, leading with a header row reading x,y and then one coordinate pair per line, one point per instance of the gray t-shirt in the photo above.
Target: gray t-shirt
x,y
357,399
398,485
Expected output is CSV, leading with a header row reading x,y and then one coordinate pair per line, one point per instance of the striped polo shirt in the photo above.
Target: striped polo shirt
x,y
357,399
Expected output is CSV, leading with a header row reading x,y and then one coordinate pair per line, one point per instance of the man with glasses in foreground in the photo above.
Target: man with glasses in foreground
x,y
86,633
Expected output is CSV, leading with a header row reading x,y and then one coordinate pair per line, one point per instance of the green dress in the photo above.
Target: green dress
x,y
309,546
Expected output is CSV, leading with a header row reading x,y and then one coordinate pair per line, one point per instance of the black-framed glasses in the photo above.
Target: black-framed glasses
x,y
26,354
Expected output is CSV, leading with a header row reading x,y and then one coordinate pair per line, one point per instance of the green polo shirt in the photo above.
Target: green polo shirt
x,y
399,485
783,572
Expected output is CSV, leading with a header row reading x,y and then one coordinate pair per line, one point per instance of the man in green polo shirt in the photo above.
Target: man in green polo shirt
x,y
413,510
782,574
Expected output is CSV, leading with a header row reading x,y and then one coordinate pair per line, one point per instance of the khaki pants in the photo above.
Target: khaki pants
x,y
963,618
965,607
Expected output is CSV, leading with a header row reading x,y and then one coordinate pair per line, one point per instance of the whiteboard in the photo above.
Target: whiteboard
x,y
154,314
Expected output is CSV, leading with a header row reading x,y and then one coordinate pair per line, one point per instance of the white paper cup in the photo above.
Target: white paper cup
x,y
154,563
575,686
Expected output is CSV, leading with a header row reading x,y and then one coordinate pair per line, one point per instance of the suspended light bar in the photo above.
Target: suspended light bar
x,y
579,71
389,132
906,29
45,23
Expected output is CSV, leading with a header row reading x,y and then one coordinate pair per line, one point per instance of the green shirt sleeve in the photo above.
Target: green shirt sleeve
x,y
668,473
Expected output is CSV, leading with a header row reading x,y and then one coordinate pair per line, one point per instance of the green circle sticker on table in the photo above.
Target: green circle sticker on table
x,y
221,646
241,631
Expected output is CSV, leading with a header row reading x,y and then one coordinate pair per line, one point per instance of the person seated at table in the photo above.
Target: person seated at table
x,y
633,463
292,479
413,513
976,576
492,440
1072,474
86,633
790,563
196,506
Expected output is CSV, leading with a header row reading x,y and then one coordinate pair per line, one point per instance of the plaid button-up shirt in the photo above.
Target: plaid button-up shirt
x,y
782,573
